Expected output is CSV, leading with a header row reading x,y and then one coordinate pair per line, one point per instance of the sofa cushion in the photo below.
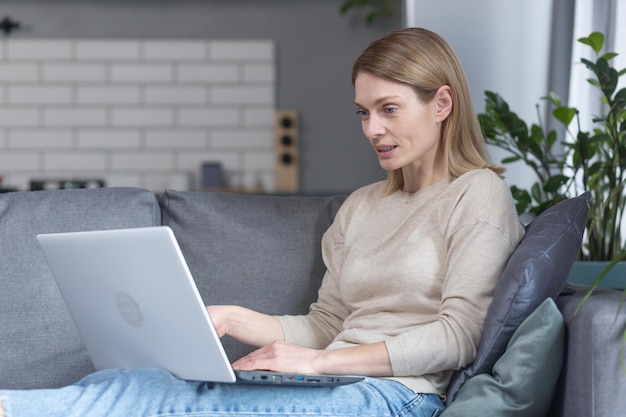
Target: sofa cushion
x,y
593,380
524,378
537,269
39,344
258,251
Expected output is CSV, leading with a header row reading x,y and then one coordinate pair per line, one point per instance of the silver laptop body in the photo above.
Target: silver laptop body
x,y
136,305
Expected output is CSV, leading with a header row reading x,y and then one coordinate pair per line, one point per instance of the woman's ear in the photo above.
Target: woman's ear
x,y
443,100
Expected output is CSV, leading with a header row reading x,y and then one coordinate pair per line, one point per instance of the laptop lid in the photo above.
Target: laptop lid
x,y
136,305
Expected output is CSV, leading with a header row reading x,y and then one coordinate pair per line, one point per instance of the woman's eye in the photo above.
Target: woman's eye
x,y
390,110
362,113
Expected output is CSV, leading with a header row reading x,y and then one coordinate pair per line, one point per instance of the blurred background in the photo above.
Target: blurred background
x,y
251,95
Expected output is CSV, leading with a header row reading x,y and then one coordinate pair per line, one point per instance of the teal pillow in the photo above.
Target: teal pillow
x,y
524,378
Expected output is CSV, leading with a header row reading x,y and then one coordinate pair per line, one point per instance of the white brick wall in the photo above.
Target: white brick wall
x,y
136,112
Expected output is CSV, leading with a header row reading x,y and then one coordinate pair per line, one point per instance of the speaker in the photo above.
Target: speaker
x,y
286,143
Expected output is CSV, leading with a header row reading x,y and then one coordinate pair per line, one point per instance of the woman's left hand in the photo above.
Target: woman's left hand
x,y
280,356
369,359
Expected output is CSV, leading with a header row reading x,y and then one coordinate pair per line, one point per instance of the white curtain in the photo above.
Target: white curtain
x,y
608,17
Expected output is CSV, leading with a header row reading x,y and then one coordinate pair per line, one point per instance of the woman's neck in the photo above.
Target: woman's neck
x,y
414,182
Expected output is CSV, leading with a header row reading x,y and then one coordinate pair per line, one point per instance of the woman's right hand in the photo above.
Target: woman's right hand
x,y
245,325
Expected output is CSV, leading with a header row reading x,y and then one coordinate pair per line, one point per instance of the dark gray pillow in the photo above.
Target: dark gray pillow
x,y
524,378
537,269
257,251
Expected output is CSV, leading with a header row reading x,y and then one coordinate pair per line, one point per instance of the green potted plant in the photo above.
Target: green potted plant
x,y
593,161
374,9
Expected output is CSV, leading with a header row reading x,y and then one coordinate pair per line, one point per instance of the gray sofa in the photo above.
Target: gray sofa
x,y
263,252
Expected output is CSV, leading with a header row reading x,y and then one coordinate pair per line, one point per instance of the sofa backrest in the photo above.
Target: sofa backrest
x,y
39,345
258,251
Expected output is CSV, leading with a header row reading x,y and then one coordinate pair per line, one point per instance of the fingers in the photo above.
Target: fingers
x,y
255,360
279,356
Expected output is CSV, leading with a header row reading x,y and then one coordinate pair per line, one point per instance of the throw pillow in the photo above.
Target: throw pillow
x,y
524,378
537,269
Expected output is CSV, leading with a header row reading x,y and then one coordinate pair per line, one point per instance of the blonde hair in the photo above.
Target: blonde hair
x,y
425,61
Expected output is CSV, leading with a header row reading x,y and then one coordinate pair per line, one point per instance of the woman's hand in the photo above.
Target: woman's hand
x,y
274,354
279,356
245,325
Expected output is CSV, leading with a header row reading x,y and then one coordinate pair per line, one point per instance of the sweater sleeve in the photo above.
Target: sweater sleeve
x,y
481,230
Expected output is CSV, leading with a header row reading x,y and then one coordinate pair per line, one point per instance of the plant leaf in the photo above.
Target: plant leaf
x,y
588,64
551,138
619,101
610,55
522,199
535,192
595,40
555,182
510,159
594,82
564,115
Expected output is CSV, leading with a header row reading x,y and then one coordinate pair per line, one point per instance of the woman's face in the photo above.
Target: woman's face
x,y
404,132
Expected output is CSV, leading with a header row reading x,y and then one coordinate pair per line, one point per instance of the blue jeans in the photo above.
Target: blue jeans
x,y
153,392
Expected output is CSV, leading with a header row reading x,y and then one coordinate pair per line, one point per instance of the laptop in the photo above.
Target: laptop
x,y
136,305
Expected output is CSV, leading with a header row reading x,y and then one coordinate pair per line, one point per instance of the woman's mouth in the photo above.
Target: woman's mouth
x,y
385,150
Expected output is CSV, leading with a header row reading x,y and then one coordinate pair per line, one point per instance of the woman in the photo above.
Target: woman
x,y
411,267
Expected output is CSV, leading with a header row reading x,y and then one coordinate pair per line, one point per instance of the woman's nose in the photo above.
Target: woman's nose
x,y
373,127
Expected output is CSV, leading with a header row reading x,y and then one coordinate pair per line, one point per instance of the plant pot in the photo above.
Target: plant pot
x,y
585,272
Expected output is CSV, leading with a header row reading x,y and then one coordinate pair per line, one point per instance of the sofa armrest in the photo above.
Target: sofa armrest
x,y
592,382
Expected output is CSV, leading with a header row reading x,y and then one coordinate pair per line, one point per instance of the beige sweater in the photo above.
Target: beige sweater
x,y
416,270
